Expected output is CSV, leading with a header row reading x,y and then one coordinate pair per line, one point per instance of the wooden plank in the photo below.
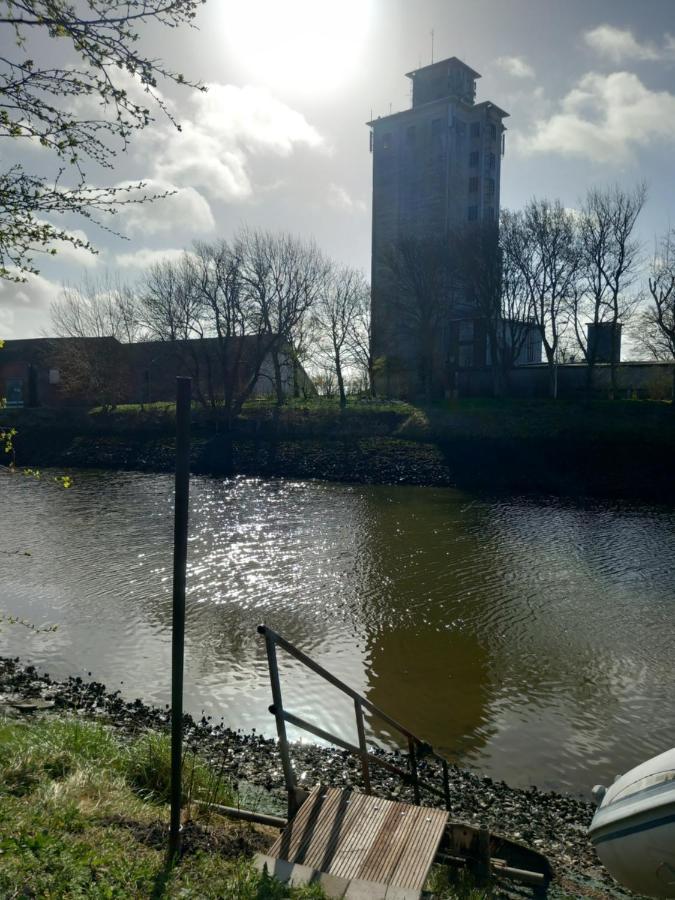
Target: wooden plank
x,y
363,838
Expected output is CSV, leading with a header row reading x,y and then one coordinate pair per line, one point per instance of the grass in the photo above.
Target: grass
x,y
83,815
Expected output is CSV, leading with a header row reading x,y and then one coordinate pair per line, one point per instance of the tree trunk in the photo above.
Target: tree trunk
x,y
340,380
278,382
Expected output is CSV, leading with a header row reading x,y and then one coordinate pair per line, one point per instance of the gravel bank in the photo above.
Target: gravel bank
x,y
553,823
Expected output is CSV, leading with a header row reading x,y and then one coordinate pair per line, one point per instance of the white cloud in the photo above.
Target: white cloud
x,y
618,44
186,209
145,257
24,307
71,253
515,66
340,198
224,129
605,118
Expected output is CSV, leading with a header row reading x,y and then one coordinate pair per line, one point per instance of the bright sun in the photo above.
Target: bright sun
x,y
300,45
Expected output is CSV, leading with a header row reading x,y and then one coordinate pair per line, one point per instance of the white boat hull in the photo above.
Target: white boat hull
x,y
633,830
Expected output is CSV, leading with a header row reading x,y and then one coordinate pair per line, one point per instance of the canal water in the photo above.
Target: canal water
x,y
530,639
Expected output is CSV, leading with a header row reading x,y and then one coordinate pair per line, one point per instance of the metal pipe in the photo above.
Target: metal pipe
x,y
328,676
351,748
180,541
413,770
278,707
365,770
245,815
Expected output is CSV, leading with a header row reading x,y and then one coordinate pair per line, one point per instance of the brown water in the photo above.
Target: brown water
x,y
530,639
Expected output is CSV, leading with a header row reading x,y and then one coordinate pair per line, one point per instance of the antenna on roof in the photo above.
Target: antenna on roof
x,y
432,46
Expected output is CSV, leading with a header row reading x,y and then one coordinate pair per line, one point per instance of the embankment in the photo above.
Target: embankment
x,y
623,449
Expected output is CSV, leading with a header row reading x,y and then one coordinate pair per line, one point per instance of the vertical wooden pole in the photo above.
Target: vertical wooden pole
x,y
180,536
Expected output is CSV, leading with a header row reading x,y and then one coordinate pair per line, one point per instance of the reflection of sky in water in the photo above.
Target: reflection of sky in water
x,y
529,638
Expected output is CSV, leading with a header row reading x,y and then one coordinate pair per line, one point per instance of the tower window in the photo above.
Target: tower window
x,y
473,158
493,160
473,184
436,128
410,134
490,186
386,140
472,214
475,129
492,131
490,213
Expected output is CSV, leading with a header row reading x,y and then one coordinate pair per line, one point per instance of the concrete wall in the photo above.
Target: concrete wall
x,y
639,380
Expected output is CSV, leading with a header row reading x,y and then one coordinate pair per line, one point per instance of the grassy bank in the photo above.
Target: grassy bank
x,y
620,448
84,814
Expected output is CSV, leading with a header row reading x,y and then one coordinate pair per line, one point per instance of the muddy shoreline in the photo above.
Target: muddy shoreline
x,y
554,823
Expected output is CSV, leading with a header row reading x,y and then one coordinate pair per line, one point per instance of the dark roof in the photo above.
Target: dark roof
x,y
30,348
457,63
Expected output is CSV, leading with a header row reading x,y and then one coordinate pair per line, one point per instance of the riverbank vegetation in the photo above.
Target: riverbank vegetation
x,y
607,448
84,814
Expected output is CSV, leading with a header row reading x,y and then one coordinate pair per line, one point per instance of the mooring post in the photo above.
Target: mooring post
x,y
180,537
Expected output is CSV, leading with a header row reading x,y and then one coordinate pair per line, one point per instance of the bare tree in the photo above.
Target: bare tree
x,y
49,105
541,242
605,293
657,322
423,292
103,307
361,341
283,278
336,313
98,316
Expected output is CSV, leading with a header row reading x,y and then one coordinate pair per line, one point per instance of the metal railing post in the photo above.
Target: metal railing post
x,y
277,709
365,768
413,770
446,785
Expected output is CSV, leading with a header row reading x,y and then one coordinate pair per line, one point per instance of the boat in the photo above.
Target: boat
x,y
633,829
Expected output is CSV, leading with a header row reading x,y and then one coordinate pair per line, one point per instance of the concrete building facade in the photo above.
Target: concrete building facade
x,y
436,169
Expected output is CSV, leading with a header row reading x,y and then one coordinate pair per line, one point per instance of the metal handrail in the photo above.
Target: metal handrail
x,y
417,748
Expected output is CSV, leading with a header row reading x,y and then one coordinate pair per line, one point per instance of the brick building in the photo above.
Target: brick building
x,y
85,372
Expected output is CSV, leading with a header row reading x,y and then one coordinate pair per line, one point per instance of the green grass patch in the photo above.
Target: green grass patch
x,y
82,815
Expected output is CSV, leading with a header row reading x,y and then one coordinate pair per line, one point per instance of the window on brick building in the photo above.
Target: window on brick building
x,y
493,161
475,129
473,184
492,131
54,376
490,187
386,140
473,158
472,214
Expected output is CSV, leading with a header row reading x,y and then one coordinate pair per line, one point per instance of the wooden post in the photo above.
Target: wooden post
x,y
180,536
365,768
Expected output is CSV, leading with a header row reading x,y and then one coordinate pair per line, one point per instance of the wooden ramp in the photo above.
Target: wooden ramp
x,y
366,846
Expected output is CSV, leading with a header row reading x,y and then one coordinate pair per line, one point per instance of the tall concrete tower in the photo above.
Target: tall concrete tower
x,y
436,169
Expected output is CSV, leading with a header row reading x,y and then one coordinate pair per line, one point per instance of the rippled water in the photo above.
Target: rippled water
x,y
531,639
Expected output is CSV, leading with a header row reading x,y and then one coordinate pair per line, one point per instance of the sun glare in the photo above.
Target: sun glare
x,y
308,46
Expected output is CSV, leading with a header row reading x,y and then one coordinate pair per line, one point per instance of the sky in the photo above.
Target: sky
x,y
279,140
